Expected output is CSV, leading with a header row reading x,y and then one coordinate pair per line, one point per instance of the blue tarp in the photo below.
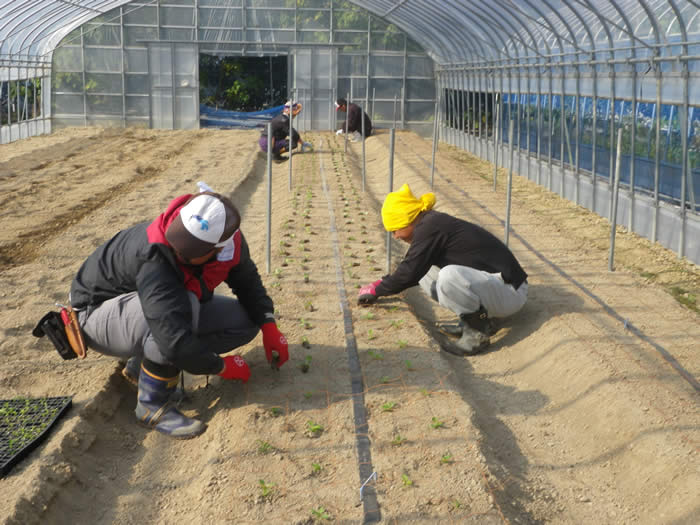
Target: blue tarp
x,y
211,117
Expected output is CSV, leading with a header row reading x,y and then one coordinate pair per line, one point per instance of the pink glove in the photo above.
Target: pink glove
x,y
368,293
274,341
235,367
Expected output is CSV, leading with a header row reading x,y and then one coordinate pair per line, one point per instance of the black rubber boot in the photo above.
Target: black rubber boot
x,y
479,321
156,409
470,343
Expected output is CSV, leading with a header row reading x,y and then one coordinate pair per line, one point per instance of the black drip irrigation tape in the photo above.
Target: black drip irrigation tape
x,y
24,423
372,513
665,354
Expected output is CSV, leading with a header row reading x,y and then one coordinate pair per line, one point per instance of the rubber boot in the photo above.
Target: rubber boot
x,y
155,408
131,371
479,321
470,343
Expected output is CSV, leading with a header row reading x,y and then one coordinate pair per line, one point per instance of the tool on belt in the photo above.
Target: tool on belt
x,y
63,330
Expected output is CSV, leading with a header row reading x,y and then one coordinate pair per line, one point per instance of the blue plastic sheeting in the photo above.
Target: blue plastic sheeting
x,y
222,118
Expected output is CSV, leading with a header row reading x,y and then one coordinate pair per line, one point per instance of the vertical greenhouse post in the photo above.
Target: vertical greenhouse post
x,y
362,114
435,139
495,148
392,136
510,179
613,212
269,197
347,120
291,137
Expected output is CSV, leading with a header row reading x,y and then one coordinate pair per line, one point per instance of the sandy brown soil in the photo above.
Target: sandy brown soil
x,y
584,409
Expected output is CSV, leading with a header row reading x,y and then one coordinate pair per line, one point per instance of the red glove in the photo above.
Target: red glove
x,y
274,341
368,293
235,367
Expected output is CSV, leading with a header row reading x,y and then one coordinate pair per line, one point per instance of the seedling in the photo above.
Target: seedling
x,y
384,379
403,343
306,364
456,504
266,489
315,468
305,324
278,272
388,406
406,480
396,323
305,342
320,514
409,365
306,277
446,459
375,355
309,306
398,440
351,238
368,316
264,447
436,423
313,427
370,334
275,411
308,395
424,392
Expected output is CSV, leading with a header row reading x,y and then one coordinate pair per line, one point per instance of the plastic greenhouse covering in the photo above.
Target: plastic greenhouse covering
x,y
546,83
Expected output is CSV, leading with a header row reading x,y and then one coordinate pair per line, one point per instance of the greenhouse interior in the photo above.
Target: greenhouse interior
x,y
540,87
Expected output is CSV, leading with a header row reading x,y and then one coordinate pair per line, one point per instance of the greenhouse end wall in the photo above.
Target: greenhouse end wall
x,y
103,71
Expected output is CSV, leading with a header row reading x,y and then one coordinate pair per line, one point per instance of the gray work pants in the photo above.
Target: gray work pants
x,y
463,289
117,327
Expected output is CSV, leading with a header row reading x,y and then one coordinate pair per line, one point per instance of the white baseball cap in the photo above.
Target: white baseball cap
x,y
207,221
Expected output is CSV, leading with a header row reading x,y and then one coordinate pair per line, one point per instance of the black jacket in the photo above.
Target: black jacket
x,y
139,259
440,240
354,123
280,129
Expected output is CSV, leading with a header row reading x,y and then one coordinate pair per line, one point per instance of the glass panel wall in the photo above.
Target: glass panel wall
x,y
106,61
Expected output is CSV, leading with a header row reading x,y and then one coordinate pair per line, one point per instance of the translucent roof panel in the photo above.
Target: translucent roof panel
x,y
450,31
32,28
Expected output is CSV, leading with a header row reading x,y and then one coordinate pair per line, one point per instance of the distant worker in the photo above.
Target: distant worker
x,y
280,133
460,265
147,296
353,119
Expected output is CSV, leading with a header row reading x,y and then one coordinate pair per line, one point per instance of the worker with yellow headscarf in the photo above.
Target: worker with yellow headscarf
x,y
457,263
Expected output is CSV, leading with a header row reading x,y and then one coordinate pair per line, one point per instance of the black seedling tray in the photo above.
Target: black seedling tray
x,y
24,423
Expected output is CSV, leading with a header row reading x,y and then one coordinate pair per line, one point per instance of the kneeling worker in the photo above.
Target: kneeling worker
x,y
281,141
354,124
147,296
458,264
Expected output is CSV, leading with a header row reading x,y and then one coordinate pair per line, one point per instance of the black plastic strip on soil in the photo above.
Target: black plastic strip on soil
x,y
665,354
372,513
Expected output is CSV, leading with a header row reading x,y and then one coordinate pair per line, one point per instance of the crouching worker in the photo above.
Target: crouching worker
x,y
458,264
280,133
147,296
353,120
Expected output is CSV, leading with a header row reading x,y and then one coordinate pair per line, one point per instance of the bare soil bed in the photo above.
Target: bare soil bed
x,y
584,409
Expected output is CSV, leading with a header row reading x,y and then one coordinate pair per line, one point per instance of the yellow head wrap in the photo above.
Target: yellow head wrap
x,y
401,208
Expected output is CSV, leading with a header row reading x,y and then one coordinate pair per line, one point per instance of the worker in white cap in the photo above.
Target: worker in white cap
x,y
281,142
147,296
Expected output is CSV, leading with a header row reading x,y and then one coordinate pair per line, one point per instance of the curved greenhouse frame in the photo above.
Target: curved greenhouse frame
x,y
541,88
